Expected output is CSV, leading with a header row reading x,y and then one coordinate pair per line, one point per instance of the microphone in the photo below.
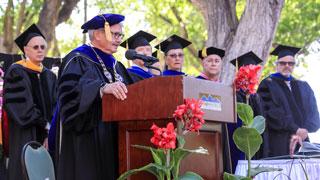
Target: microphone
x,y
132,54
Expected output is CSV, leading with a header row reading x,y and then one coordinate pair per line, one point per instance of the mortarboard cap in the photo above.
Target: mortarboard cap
x,y
246,59
99,21
173,42
283,50
27,35
141,38
155,54
210,50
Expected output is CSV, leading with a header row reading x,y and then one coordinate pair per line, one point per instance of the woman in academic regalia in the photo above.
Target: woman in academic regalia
x,y
29,98
173,54
211,60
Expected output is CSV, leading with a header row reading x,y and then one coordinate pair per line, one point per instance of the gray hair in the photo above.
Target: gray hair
x,y
90,33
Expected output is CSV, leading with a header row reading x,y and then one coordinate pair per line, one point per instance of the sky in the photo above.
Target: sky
x,y
310,73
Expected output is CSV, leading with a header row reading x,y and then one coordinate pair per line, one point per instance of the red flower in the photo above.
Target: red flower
x,y
190,114
247,78
164,137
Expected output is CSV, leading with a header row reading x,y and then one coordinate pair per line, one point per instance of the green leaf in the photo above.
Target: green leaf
x,y
245,113
157,158
257,170
190,176
143,147
248,140
227,176
181,141
259,124
151,168
178,155
159,153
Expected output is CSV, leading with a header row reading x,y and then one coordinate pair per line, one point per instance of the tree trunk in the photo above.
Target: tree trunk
x,y
48,18
8,27
20,21
254,32
221,20
66,10
22,17
54,12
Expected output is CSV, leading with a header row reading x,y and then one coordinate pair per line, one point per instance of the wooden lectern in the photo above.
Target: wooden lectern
x,y
154,101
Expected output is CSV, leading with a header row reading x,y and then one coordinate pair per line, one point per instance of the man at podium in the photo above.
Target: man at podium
x,y
89,146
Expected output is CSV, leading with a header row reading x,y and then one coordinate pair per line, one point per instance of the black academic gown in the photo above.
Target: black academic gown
x,y
89,146
236,154
29,99
286,111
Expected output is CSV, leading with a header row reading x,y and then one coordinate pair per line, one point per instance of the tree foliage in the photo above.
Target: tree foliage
x,y
298,26
163,18
299,22
20,14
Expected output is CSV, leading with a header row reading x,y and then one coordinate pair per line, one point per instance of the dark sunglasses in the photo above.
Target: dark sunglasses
x,y
36,47
282,63
176,55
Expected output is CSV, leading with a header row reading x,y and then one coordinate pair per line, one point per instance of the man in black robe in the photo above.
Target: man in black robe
x,y
89,146
249,58
29,98
140,42
289,104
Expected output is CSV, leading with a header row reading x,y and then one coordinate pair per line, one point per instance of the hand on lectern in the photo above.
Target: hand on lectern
x,y
294,141
118,89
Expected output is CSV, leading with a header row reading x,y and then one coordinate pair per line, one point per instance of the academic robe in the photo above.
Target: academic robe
x,y
88,146
172,73
29,100
138,73
286,110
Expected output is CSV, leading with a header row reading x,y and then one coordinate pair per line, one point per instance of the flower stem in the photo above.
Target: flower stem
x,y
168,173
168,159
249,167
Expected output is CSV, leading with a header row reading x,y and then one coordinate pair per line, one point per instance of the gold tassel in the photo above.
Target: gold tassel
x,y
160,56
237,65
204,53
107,30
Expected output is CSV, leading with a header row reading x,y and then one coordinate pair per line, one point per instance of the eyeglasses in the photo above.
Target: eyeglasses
x,y
283,63
117,35
36,47
176,55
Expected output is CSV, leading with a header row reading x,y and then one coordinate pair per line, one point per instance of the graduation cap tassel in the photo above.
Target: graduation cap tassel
x,y
127,45
237,65
160,55
204,53
107,30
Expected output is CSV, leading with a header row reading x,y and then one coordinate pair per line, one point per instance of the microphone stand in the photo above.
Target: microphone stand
x,y
149,65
